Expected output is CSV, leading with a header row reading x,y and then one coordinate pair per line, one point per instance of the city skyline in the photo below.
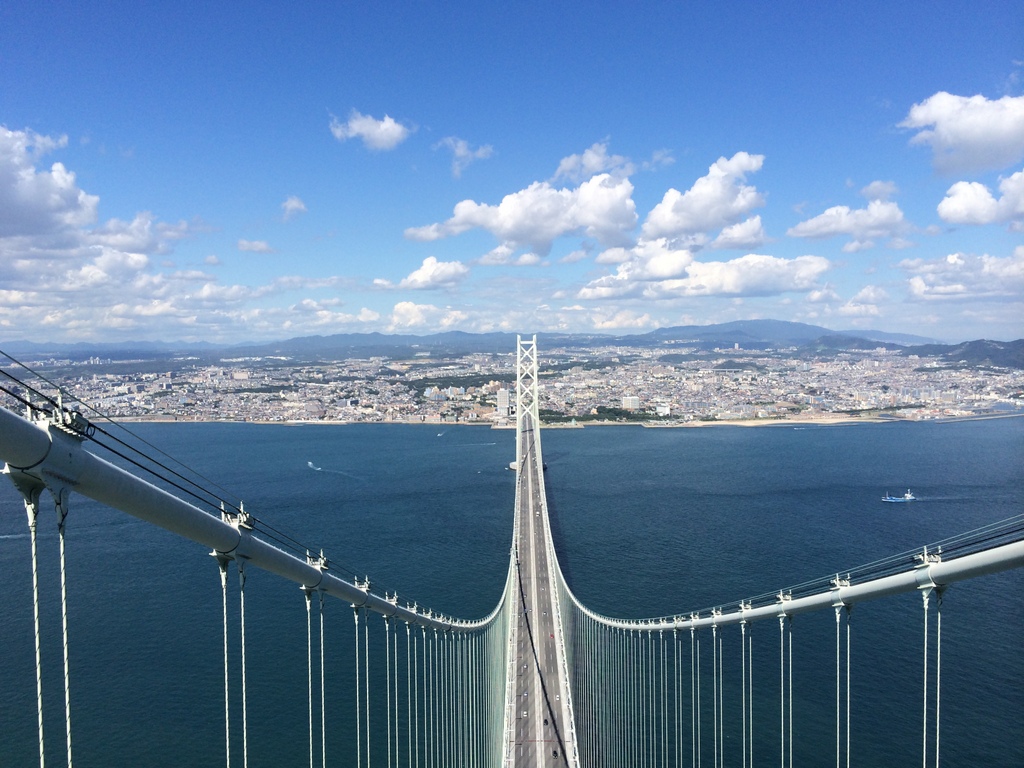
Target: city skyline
x,y
292,172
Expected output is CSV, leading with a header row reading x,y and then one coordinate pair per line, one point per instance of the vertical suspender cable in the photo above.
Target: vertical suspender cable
x,y
714,690
649,695
699,737
721,702
366,681
394,642
790,638
675,695
664,705
924,686
309,665
222,562
848,608
245,705
409,654
838,667
938,668
416,669
62,510
359,720
781,689
750,687
387,670
323,710
32,510
693,700
461,697
435,711
743,687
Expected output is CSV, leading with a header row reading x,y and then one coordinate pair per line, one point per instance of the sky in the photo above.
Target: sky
x,y
230,172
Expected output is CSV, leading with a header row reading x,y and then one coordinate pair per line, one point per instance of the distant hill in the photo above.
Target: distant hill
x,y
838,343
741,334
981,353
764,334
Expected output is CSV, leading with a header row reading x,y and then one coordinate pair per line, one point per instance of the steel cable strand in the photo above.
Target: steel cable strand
x,y
743,688
32,509
359,719
62,512
245,705
323,698
714,692
222,563
848,608
721,696
782,691
924,686
387,671
366,681
394,642
309,665
693,698
789,633
409,655
938,668
838,667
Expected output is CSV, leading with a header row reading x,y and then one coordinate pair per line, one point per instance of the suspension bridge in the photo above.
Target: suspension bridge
x,y
541,681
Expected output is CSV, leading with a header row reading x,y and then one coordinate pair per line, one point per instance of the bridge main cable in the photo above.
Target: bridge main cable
x,y
41,454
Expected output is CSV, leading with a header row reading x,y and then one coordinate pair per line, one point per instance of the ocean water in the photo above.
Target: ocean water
x,y
647,522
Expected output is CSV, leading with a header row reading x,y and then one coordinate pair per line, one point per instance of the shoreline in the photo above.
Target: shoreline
x,y
819,421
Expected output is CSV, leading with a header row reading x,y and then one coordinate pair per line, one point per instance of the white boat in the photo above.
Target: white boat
x,y
908,496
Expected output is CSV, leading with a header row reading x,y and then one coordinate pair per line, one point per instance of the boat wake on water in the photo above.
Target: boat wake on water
x,y
315,468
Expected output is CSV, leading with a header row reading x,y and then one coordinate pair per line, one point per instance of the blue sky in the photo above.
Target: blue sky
x,y
232,174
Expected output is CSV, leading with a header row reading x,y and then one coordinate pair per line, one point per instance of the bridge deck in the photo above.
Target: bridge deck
x,y
541,728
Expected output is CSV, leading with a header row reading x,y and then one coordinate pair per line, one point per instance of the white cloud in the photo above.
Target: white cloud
x,y
879,190
143,234
255,246
745,234
463,154
880,219
601,208
433,274
578,255
660,158
623,320
969,133
715,200
293,206
35,202
854,308
408,314
822,295
376,134
528,260
966,276
969,202
871,294
657,271
591,162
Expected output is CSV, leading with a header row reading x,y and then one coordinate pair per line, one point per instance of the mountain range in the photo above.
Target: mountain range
x,y
741,334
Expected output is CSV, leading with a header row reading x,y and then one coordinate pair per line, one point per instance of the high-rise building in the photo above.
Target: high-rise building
x,y
503,402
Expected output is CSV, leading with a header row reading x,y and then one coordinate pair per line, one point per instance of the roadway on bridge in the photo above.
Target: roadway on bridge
x,y
541,732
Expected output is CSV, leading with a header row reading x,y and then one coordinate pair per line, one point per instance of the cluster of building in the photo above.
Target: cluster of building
x,y
610,384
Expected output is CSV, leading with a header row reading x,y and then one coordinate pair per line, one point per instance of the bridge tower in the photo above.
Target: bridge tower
x,y
526,387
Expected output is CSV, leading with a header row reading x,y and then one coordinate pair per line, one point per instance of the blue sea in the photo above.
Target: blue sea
x,y
647,522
